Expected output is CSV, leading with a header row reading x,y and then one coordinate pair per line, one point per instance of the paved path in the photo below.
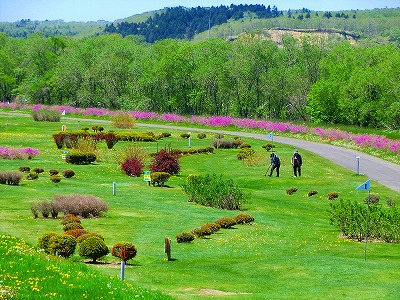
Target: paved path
x,y
376,169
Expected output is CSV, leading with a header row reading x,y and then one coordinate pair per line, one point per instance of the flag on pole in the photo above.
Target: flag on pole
x,y
366,186
270,135
63,113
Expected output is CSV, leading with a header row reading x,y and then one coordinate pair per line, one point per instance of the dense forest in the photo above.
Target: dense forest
x,y
185,23
311,78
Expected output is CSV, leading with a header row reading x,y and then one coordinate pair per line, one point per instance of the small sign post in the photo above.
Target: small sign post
x,y
167,248
64,154
147,177
114,188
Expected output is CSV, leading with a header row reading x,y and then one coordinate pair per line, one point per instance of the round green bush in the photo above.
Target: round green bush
x,y
76,232
44,241
53,172
69,218
72,226
93,248
68,173
201,135
184,237
38,170
24,169
55,178
243,219
83,237
124,250
32,176
203,231
62,244
226,222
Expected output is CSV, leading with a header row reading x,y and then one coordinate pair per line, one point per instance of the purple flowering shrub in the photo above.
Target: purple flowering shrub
x,y
18,153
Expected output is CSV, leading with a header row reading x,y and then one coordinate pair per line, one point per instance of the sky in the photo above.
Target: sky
x,y
111,10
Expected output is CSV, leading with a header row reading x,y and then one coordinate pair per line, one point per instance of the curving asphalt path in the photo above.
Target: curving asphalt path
x,y
376,169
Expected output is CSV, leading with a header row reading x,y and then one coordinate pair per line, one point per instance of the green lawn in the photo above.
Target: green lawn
x,y
290,252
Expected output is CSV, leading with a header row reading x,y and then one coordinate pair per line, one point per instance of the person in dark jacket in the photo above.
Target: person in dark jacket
x,y
275,164
296,163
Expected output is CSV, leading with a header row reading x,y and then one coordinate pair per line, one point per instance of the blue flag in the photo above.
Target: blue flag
x,y
366,186
270,135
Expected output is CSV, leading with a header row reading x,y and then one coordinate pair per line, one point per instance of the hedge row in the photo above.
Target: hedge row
x,y
211,228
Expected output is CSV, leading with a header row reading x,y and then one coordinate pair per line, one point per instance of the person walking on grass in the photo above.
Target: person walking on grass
x,y
275,164
296,163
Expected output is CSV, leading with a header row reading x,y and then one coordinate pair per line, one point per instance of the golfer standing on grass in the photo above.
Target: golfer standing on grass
x,y
296,163
275,164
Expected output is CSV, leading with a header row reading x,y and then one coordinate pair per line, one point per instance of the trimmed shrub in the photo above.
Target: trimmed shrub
x,y
68,173
268,146
24,169
124,250
201,135
164,134
82,237
132,167
226,144
312,193
203,231
55,178
165,162
243,219
44,241
159,178
80,158
38,170
123,120
184,237
76,232
69,218
226,222
110,139
244,145
62,244
32,176
291,191
81,205
53,172
333,195
185,135
93,248
72,226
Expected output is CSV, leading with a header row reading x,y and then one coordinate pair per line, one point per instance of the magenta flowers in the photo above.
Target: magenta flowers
x,y
18,153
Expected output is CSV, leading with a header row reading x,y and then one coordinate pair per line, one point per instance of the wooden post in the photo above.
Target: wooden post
x,y
167,248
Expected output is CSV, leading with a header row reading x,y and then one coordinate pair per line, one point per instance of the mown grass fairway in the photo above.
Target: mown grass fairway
x,y
290,252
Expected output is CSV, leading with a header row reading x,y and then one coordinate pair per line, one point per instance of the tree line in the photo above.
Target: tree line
x,y
184,23
315,79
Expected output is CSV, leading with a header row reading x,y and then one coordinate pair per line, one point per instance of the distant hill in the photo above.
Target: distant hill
x,y
199,23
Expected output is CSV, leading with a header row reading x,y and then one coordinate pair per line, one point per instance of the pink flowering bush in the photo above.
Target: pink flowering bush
x,y
362,140
18,153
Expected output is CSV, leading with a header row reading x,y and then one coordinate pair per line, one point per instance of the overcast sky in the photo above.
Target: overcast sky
x,y
111,10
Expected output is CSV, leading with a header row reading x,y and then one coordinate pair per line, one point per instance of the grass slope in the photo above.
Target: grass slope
x,y
290,252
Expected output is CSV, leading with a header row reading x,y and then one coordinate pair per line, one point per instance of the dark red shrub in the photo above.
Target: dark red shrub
x,y
132,167
165,162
